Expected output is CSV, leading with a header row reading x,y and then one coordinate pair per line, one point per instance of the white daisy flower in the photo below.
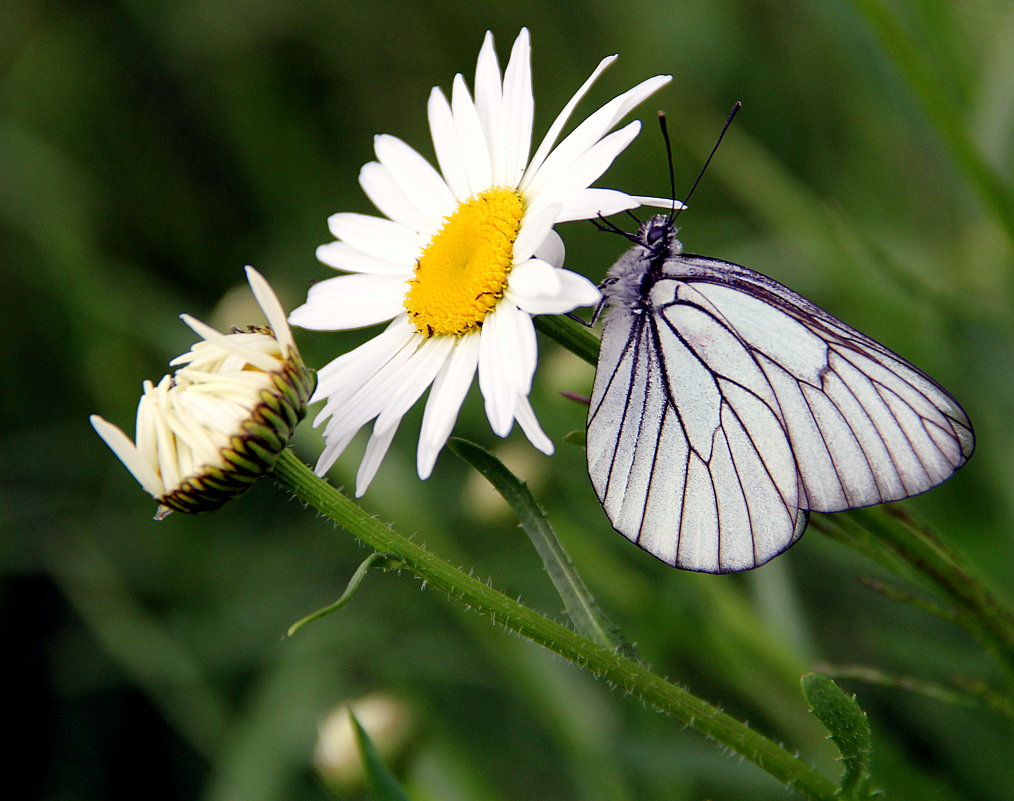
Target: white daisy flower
x,y
463,259
208,432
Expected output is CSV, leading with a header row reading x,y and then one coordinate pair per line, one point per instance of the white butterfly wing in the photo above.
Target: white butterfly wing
x,y
706,484
728,406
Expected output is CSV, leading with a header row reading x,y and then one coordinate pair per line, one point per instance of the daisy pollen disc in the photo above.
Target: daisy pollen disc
x,y
462,272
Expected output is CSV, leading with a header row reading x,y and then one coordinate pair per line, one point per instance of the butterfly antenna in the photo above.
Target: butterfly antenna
x,y
732,114
668,154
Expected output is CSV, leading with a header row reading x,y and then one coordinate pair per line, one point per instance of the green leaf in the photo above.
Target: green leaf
x,y
587,616
576,438
382,560
848,727
383,786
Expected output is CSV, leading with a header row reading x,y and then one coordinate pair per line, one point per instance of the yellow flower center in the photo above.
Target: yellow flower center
x,y
462,272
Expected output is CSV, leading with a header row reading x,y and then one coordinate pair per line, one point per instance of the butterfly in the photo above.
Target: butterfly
x,y
726,407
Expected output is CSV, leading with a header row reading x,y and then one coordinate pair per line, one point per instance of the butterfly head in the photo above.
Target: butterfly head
x,y
658,236
630,279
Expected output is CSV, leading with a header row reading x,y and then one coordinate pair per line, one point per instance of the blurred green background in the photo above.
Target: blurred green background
x,y
149,150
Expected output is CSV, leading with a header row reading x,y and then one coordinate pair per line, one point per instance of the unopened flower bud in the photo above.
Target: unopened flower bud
x,y
210,430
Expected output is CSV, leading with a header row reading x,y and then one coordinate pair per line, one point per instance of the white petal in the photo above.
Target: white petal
x,y
415,378
349,410
389,198
447,145
346,373
518,111
533,233
561,119
268,301
508,353
489,98
256,358
145,425
530,425
351,301
374,236
551,250
569,173
332,450
534,278
376,450
544,289
474,147
659,202
422,184
155,402
345,257
526,348
346,413
128,453
494,383
444,402
590,204
590,131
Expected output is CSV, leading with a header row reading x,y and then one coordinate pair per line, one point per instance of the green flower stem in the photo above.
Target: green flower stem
x,y
576,338
608,665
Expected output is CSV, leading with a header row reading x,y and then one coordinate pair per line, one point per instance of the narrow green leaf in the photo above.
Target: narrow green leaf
x,y
848,727
579,438
585,613
383,786
373,560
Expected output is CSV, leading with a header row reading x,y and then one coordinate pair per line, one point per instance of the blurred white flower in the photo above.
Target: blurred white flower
x,y
206,433
462,260
388,722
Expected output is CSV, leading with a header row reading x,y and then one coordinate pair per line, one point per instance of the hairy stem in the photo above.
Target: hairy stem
x,y
605,663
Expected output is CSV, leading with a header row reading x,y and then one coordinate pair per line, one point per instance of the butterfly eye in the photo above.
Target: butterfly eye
x,y
657,231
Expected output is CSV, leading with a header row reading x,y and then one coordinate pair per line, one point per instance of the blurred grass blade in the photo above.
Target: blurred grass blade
x,y
585,613
898,595
950,121
848,727
977,609
383,786
970,693
892,538
373,560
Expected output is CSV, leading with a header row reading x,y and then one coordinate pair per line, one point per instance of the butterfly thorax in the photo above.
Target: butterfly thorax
x,y
631,278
